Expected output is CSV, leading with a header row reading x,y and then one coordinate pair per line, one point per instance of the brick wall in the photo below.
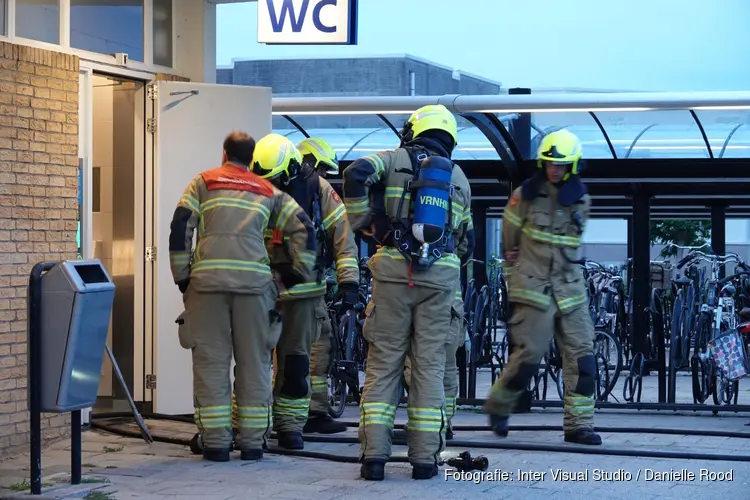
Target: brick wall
x,y
38,209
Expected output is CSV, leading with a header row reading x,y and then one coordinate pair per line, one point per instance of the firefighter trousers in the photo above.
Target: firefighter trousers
x,y
220,325
320,363
532,330
400,322
450,378
300,326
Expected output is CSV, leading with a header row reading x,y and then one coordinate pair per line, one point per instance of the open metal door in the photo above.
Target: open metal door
x,y
188,125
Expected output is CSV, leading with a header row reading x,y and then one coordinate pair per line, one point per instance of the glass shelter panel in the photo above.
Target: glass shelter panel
x,y
654,134
162,33
107,26
728,131
284,127
38,20
351,136
4,17
581,124
472,143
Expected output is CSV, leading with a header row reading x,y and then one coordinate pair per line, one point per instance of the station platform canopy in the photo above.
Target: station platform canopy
x,y
689,145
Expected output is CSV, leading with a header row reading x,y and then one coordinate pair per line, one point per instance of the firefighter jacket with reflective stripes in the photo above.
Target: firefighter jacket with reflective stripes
x,y
339,240
231,208
392,168
539,229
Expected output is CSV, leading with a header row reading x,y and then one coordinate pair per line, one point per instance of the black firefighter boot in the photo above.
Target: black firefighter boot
x,y
499,425
373,469
323,424
291,440
584,435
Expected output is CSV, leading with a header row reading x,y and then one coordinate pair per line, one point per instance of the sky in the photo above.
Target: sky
x,y
633,45
637,45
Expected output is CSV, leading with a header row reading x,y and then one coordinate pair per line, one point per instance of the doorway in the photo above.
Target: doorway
x,y
116,204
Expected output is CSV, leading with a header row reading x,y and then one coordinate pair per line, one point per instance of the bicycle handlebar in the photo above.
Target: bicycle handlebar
x,y
695,255
730,278
470,261
674,245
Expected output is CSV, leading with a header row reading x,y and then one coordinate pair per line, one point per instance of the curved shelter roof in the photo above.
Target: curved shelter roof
x,y
682,145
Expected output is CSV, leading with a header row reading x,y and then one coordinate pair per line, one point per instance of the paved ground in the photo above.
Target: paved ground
x,y
116,467
126,468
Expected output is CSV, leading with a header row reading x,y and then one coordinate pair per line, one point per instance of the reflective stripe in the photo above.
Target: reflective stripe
x,y
319,384
447,260
450,407
511,218
214,417
579,406
357,207
396,192
307,258
254,417
234,203
191,202
286,212
521,295
334,217
508,269
284,407
459,296
230,265
425,419
304,288
347,263
179,258
376,413
554,239
572,302
377,162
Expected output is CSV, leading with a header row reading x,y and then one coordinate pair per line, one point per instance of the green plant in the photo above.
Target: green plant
x,y
98,495
679,232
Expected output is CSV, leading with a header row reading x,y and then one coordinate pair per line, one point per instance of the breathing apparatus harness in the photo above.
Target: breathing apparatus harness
x,y
305,189
423,236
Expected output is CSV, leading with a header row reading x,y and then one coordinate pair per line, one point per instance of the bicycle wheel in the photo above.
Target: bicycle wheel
x,y
337,389
608,356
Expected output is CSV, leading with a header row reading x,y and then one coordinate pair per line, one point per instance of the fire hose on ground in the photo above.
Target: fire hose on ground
x,y
464,461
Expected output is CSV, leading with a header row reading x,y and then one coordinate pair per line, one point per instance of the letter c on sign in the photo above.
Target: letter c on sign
x,y
316,17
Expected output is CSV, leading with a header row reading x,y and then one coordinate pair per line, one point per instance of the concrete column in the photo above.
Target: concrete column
x,y
195,40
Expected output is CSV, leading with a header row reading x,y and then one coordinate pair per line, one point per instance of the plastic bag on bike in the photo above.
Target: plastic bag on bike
x,y
730,355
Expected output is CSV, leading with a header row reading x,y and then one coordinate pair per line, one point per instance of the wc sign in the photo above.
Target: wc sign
x,y
307,22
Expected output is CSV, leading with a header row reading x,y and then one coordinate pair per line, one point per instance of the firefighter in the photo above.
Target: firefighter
x,y
229,292
302,308
336,245
415,274
542,226
464,250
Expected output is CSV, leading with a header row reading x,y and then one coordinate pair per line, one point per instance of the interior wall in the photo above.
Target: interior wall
x,y
103,162
114,162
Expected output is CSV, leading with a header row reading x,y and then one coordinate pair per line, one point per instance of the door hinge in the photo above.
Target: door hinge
x,y
152,92
151,125
150,254
150,381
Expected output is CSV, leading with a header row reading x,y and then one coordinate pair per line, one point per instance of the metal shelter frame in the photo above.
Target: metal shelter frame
x,y
701,184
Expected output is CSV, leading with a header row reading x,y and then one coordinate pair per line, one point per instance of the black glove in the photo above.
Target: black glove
x,y
287,275
183,285
349,295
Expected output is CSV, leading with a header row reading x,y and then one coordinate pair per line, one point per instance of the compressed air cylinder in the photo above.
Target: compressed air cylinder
x,y
431,201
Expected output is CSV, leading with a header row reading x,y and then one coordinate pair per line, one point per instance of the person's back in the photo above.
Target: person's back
x,y
235,206
415,273
229,293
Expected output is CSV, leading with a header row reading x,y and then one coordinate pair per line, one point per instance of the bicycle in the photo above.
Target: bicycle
x,y
717,314
349,349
